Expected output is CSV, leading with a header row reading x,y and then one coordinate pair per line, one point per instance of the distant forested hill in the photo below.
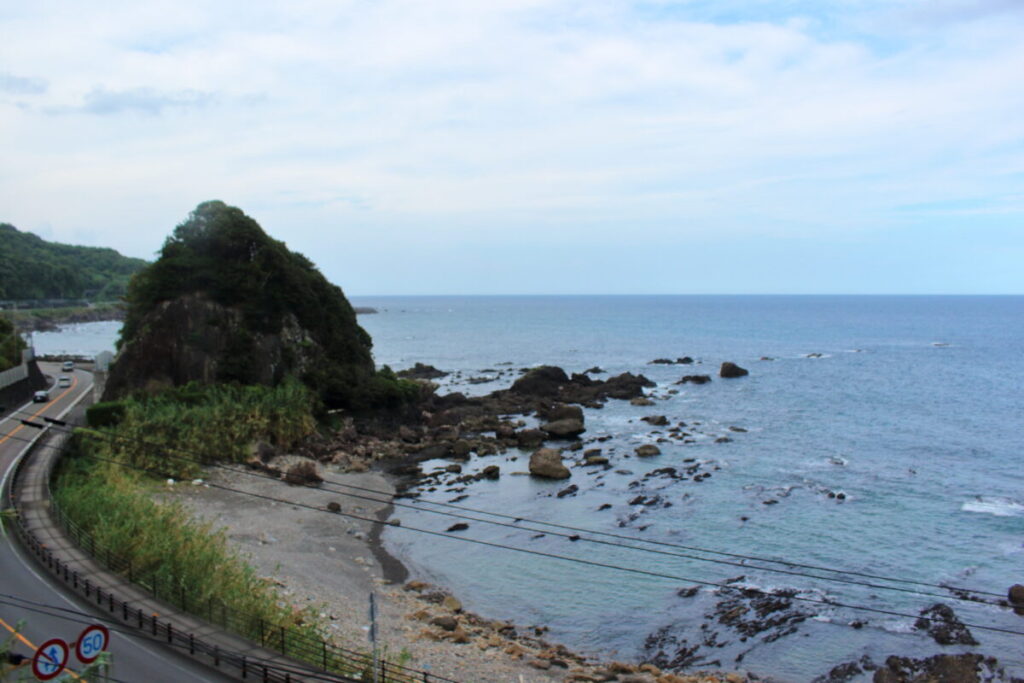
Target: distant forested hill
x,y
32,268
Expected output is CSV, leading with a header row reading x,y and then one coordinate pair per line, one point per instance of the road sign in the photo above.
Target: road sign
x,y
50,659
91,642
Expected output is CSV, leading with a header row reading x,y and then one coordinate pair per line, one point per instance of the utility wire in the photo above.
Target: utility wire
x,y
515,525
591,563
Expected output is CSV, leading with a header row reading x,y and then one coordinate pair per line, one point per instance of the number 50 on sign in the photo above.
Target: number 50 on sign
x,y
92,641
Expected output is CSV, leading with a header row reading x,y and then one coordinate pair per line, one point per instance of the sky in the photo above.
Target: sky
x,y
536,146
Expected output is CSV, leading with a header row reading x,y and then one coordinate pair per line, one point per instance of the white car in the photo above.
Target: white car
x,y
64,382
68,366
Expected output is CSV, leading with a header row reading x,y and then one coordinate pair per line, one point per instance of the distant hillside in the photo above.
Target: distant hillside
x,y
32,268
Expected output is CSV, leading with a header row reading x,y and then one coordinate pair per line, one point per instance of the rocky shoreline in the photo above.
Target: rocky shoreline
x,y
430,622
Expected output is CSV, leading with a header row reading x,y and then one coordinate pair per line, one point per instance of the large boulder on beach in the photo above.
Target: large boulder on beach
x,y
1016,595
647,450
730,370
547,464
568,428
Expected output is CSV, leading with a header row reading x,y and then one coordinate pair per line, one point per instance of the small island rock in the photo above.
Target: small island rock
x,y
730,370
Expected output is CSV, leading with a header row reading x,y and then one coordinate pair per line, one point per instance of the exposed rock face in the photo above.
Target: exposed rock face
x,y
647,450
729,370
547,463
1016,595
695,379
195,339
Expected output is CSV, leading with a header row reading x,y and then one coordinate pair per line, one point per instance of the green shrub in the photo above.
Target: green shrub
x,y
105,414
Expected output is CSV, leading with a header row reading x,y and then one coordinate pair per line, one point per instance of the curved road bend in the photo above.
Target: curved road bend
x,y
132,658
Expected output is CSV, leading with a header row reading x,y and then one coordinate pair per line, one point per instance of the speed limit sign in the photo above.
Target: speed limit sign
x,y
50,659
92,641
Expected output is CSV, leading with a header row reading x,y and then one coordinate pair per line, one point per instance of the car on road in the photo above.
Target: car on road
x,y
68,366
41,397
64,382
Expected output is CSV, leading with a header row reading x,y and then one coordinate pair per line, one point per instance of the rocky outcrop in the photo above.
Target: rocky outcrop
x,y
647,450
546,463
421,371
964,668
942,624
553,384
695,379
194,339
731,370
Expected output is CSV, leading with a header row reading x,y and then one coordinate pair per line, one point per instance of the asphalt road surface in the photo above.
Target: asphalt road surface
x,y
132,658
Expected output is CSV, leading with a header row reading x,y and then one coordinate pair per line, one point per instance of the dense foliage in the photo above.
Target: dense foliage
x,y
175,432
32,268
11,345
103,486
225,256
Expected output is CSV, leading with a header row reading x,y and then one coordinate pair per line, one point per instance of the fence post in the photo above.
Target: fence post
x,y
283,650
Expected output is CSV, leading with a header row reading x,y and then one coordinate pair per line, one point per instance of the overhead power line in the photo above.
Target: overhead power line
x,y
581,561
518,525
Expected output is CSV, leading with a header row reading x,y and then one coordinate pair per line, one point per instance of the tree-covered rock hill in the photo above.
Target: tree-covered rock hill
x,y
32,268
226,303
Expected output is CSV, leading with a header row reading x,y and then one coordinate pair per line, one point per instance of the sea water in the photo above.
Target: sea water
x,y
912,410
909,406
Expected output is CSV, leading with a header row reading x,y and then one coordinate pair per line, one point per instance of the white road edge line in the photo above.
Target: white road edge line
x,y
18,553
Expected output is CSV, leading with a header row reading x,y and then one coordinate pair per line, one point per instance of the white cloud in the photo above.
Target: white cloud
x,y
524,116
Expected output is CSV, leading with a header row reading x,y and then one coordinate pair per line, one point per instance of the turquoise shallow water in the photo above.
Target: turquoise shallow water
x,y
913,412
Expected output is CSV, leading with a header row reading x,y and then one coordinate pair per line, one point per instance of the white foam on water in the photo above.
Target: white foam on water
x,y
993,505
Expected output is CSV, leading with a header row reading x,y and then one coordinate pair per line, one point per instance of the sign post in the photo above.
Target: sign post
x,y
50,659
373,634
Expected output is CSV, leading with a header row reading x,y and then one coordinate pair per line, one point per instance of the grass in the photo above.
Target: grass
x,y
106,487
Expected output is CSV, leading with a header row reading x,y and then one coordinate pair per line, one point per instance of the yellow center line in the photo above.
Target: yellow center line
x,y
42,410
32,647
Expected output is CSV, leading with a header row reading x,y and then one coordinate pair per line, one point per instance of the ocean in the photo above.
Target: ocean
x,y
877,454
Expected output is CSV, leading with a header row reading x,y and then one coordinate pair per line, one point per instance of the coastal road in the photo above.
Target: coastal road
x,y
132,658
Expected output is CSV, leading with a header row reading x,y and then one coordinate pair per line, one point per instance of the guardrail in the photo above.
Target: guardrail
x,y
337,663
